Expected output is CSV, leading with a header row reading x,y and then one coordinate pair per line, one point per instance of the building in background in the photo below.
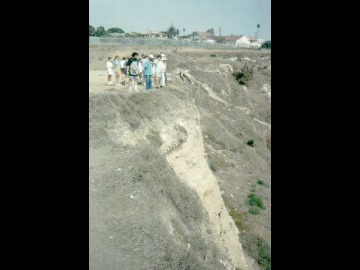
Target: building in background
x,y
256,42
207,36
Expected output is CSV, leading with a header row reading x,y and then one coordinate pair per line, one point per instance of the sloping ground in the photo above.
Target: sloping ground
x,y
170,170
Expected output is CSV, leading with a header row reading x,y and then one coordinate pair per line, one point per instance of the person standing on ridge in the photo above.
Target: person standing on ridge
x,y
166,80
148,71
117,70
133,65
123,71
157,71
163,71
110,71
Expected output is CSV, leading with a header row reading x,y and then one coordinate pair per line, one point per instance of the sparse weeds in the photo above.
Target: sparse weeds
x,y
254,210
258,249
240,219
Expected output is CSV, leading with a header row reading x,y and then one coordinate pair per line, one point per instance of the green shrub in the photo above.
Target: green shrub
x,y
250,143
266,45
213,55
264,255
244,76
256,201
260,182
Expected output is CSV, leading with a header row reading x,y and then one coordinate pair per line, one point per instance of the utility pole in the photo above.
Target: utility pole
x,y
219,31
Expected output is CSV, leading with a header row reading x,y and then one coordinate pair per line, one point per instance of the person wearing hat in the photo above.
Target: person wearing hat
x,y
148,71
163,70
158,65
166,81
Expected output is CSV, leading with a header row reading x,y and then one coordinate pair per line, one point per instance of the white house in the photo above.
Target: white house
x,y
248,42
243,42
161,34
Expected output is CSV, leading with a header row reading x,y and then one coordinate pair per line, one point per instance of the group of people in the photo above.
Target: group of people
x,y
144,70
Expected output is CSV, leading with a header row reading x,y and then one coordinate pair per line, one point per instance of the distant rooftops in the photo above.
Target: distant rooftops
x,y
232,38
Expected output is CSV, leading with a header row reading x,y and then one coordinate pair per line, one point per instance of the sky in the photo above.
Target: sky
x,y
237,17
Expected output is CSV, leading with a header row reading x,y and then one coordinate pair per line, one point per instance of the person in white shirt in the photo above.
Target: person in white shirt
x,y
166,81
153,68
140,77
143,61
117,70
110,70
123,71
158,67
163,71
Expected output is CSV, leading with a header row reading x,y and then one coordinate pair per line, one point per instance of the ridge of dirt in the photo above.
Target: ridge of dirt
x,y
170,169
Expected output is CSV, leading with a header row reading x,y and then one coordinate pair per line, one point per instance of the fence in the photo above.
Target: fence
x,y
123,41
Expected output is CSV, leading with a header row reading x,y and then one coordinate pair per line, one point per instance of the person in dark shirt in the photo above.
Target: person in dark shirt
x,y
133,65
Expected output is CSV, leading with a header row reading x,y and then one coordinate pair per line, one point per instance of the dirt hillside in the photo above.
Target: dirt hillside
x,y
172,169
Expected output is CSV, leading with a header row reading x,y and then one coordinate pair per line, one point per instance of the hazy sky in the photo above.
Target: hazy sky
x,y
233,16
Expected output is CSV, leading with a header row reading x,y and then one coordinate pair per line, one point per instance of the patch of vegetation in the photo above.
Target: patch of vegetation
x,y
254,200
250,143
213,55
254,210
264,255
244,76
266,45
261,182
240,219
258,249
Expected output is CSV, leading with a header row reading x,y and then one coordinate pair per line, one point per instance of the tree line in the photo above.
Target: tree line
x,y
101,31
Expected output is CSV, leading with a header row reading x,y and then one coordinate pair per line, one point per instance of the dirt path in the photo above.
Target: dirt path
x,y
98,83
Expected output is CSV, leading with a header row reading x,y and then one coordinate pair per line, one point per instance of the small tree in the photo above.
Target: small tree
x,y
91,30
115,30
210,31
100,31
171,31
266,45
244,76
